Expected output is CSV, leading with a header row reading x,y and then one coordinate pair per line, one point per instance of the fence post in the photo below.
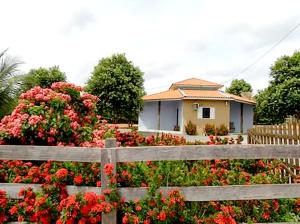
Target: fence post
x,y
249,137
108,155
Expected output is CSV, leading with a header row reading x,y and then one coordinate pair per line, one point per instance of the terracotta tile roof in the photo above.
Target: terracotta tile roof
x,y
241,99
195,82
204,94
166,95
179,94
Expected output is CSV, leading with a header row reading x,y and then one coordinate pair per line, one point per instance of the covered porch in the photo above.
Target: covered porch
x,y
162,116
241,117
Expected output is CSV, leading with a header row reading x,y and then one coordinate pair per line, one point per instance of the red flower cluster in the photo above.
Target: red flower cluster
x,y
86,208
78,180
226,216
135,139
163,209
61,174
224,219
3,203
64,87
108,169
32,208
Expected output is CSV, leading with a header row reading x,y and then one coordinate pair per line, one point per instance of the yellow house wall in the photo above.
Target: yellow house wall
x,y
222,113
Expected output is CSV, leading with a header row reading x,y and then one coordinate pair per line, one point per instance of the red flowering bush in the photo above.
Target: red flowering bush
x,y
156,209
88,207
54,204
83,208
24,210
41,206
133,138
62,115
3,203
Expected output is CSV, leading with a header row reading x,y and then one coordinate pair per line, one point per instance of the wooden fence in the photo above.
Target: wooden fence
x,y
283,134
287,134
111,154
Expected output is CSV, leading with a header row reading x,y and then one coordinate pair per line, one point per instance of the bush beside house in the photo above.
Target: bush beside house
x,y
190,128
211,129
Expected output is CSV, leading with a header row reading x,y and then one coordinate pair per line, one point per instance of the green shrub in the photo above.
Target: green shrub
x,y
222,130
190,128
210,129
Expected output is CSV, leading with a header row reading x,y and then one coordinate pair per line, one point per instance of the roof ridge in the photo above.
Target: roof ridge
x,y
230,94
197,80
236,97
225,94
181,92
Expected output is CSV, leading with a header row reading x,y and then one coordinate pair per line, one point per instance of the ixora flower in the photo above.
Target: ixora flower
x,y
108,169
78,180
85,207
61,173
3,203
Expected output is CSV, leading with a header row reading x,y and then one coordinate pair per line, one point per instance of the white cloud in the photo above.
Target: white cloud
x,y
168,40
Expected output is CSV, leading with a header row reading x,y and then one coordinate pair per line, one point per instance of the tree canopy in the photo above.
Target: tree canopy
x,y
119,85
282,97
42,77
238,86
8,83
285,68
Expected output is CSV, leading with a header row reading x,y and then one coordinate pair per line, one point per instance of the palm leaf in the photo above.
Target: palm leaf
x,y
9,83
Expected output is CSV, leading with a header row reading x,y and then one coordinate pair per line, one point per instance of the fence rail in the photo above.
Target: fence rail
x,y
150,153
200,193
111,154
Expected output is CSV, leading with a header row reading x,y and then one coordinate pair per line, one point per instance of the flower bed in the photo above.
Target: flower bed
x,y
54,176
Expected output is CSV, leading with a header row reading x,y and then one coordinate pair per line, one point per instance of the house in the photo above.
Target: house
x,y
198,101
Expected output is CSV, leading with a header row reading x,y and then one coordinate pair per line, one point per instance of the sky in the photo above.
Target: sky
x,y
169,40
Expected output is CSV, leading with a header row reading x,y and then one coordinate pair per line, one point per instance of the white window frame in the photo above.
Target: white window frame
x,y
212,113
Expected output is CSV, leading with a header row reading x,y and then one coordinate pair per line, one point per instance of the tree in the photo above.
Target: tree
x,y
238,86
8,83
42,77
282,97
285,68
119,85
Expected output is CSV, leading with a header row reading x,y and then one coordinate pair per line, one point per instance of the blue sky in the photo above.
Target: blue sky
x,y
169,40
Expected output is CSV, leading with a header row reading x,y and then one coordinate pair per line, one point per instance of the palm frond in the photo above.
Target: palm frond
x,y
9,83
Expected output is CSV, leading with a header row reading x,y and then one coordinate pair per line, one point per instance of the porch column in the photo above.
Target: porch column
x,y
158,115
242,117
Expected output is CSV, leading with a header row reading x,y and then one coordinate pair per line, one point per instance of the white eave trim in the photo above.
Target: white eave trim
x,y
245,102
181,92
162,100
208,98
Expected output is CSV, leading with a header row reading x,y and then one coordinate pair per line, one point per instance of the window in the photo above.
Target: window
x,y
206,113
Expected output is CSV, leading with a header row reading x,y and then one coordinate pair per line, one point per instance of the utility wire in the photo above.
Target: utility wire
x,y
253,63
267,52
